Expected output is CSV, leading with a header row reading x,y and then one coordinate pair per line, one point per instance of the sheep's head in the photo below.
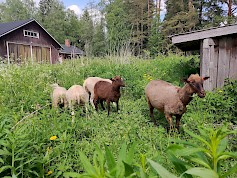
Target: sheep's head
x,y
118,81
54,85
196,84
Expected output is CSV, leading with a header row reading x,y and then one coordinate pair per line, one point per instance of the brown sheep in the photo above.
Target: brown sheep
x,y
89,85
172,100
105,91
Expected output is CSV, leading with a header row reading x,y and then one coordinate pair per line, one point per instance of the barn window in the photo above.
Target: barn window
x,y
32,34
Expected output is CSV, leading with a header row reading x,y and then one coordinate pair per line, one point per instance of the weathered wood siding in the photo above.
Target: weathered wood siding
x,y
42,46
218,60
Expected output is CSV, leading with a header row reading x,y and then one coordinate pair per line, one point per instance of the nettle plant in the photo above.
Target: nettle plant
x,y
203,159
209,154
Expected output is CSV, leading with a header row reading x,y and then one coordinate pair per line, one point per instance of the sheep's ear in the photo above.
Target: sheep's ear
x,y
185,80
111,79
205,78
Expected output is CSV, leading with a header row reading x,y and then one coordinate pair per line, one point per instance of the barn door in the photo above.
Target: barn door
x,y
19,53
22,53
41,54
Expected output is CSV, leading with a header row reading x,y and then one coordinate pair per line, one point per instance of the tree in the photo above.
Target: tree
x,y
182,21
86,32
156,38
53,18
118,26
99,41
13,10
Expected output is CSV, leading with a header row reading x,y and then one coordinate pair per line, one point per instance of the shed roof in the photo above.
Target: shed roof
x,y
191,40
6,28
69,50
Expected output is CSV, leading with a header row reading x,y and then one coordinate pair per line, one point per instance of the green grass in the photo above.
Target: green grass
x,y
27,150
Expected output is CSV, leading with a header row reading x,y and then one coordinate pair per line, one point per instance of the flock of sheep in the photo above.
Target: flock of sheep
x,y
95,89
167,98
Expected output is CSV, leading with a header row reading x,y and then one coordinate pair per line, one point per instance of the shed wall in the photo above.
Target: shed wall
x,y
218,60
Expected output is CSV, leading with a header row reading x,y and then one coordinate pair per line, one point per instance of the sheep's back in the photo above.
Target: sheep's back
x,y
76,92
58,91
162,95
90,82
102,89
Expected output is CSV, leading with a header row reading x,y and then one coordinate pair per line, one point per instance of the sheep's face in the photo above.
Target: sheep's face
x,y
196,83
118,81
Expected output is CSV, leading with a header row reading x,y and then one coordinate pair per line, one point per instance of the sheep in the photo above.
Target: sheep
x,y
89,85
58,95
76,94
172,100
109,92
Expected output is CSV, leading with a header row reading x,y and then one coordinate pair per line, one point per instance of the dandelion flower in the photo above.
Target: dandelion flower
x,y
49,172
53,137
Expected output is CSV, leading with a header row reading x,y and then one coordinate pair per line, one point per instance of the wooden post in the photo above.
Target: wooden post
x,y
8,54
208,65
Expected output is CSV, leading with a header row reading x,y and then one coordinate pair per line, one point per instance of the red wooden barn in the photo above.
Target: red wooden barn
x,y
27,41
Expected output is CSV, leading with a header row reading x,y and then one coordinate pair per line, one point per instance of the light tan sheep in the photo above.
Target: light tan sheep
x,y
58,95
172,100
76,94
89,85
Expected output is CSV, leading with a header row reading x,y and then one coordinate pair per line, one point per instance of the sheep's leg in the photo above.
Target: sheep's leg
x,y
92,99
108,105
55,104
117,104
178,117
169,119
96,103
151,113
102,105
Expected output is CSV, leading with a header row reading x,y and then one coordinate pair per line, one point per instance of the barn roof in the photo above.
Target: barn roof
x,y
191,40
6,28
72,49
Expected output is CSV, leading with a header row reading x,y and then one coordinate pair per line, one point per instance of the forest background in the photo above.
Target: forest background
x,y
122,27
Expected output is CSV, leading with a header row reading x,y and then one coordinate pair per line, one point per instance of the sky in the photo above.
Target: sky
x,y
78,5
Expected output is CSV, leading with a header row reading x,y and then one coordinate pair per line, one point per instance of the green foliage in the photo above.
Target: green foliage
x,y
13,10
28,121
222,100
210,151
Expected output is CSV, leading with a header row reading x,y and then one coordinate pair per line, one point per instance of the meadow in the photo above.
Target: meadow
x,y
38,141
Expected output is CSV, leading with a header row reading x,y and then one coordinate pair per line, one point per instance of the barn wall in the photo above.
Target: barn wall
x,y
17,36
218,60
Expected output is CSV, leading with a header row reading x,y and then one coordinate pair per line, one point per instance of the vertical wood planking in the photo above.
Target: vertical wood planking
x,y
215,64
207,52
223,63
233,61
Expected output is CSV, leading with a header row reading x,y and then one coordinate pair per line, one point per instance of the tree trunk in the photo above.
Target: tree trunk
x,y
229,8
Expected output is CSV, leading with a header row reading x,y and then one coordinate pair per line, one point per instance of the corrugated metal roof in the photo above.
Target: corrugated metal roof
x,y
70,50
6,28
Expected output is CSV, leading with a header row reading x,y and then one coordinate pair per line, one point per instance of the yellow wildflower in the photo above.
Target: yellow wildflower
x,y
49,172
53,137
220,91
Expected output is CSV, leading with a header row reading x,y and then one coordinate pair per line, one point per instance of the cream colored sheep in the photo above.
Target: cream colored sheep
x,y
58,95
89,85
172,100
76,94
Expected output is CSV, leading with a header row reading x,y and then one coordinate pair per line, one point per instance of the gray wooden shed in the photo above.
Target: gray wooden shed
x,y
218,52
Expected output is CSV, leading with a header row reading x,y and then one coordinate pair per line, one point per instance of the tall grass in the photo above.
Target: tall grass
x,y
25,96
